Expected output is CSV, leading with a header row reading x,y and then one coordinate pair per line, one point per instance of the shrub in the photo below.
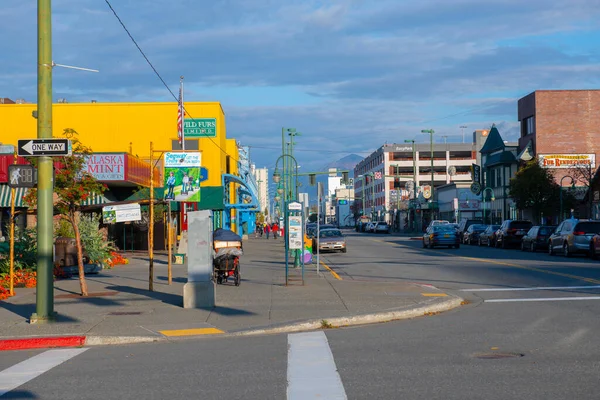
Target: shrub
x,y
92,239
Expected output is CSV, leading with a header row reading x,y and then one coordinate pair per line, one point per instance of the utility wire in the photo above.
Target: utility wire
x,y
160,77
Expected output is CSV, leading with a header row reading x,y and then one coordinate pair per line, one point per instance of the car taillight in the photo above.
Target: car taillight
x,y
578,233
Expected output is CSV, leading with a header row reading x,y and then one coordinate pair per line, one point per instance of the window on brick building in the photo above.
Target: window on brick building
x,y
528,126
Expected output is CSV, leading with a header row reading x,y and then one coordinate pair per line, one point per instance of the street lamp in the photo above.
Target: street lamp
x,y
483,198
414,151
431,132
561,192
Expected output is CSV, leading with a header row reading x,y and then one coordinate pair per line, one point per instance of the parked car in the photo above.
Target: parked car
x,y
573,236
437,222
464,224
441,235
311,231
595,247
537,238
471,236
511,232
370,227
488,237
330,239
382,227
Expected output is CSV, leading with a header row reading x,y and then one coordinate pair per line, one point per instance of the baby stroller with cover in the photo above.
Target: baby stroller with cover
x,y
227,251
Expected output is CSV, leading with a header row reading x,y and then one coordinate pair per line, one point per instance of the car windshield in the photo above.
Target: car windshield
x,y
382,224
330,233
546,230
493,228
589,227
443,228
520,225
479,227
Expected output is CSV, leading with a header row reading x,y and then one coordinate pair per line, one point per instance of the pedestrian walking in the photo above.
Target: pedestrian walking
x,y
267,230
259,229
275,230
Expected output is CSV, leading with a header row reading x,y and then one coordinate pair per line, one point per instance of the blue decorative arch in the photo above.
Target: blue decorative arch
x,y
244,190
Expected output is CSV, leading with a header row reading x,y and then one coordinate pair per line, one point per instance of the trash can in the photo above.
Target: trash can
x,y
65,252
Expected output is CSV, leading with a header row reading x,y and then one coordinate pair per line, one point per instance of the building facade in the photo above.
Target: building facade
x,y
398,173
562,129
261,176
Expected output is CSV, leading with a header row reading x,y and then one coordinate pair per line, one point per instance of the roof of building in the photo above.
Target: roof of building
x,y
493,143
506,157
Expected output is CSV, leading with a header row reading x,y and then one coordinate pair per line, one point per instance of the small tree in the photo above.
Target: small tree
x,y
534,187
72,186
584,173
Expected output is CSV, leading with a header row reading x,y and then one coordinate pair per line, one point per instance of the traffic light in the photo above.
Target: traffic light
x,y
397,183
312,179
345,178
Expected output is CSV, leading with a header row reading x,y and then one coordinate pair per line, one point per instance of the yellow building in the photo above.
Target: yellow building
x,y
129,128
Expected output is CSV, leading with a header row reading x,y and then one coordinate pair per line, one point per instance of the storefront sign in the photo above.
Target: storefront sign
x,y
105,166
121,213
476,171
200,127
567,160
182,176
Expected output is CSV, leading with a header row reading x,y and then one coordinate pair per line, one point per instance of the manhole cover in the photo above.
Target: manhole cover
x,y
125,313
496,356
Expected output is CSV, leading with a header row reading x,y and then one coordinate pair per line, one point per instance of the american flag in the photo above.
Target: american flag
x,y
180,116
378,175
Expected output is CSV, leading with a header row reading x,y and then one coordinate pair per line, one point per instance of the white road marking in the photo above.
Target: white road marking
x,y
530,288
542,299
311,371
21,373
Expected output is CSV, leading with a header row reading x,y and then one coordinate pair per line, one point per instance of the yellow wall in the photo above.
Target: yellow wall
x,y
115,127
232,151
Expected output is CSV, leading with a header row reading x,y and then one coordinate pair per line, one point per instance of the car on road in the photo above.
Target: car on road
x,y
311,231
595,247
537,238
437,222
511,232
573,236
464,224
471,236
330,239
488,237
441,235
382,227
370,227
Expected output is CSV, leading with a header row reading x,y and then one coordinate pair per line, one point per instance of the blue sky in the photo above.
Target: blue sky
x,y
349,74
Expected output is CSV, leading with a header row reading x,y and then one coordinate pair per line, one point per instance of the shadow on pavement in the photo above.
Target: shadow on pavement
x,y
21,394
26,310
173,299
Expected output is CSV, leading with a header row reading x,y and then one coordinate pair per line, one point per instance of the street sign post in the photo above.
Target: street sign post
x,y
44,147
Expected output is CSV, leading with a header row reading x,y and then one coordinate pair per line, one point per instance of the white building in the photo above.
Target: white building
x,y
303,199
374,176
262,182
343,206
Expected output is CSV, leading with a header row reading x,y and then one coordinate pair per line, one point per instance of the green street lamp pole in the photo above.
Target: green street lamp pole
x,y
431,132
483,198
561,194
414,151
44,287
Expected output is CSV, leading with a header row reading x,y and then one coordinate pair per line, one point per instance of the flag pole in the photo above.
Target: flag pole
x,y
182,113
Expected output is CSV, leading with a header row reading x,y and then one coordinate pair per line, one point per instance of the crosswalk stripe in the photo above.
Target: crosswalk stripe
x,y
312,373
21,373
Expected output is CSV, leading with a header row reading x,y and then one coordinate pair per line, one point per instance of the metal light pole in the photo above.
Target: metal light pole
x,y
561,193
462,128
431,132
414,153
44,287
483,198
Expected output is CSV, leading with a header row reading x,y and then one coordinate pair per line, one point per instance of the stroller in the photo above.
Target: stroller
x,y
226,261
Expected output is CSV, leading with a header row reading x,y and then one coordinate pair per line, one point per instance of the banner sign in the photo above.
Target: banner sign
x,y
121,213
295,233
105,167
476,173
182,176
567,160
200,127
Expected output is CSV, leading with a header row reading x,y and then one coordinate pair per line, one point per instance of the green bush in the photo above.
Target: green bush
x,y
92,239
25,250
63,229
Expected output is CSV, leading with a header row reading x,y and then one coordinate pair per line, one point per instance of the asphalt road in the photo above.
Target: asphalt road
x,y
529,331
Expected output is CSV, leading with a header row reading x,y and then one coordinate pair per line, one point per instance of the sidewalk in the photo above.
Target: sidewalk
x,y
120,309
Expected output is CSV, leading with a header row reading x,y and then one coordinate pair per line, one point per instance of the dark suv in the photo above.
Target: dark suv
x,y
511,232
464,224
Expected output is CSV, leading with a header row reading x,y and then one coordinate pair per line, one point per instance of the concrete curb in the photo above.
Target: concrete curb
x,y
363,319
27,343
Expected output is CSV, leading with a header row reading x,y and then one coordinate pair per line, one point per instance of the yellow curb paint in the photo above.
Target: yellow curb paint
x,y
434,294
335,275
191,332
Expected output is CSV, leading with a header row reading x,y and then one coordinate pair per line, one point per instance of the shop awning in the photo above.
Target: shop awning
x,y
5,196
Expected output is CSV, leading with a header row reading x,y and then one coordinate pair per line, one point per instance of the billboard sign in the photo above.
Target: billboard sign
x,y
567,160
200,127
106,166
121,213
182,176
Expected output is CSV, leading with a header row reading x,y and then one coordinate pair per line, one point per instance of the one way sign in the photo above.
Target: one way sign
x,y
44,147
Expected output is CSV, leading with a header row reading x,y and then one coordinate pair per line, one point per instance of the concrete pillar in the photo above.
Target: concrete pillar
x,y
199,291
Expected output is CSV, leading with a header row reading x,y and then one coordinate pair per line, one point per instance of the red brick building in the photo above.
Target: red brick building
x,y
562,128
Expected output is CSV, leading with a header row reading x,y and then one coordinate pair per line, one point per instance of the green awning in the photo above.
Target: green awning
x,y
5,196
